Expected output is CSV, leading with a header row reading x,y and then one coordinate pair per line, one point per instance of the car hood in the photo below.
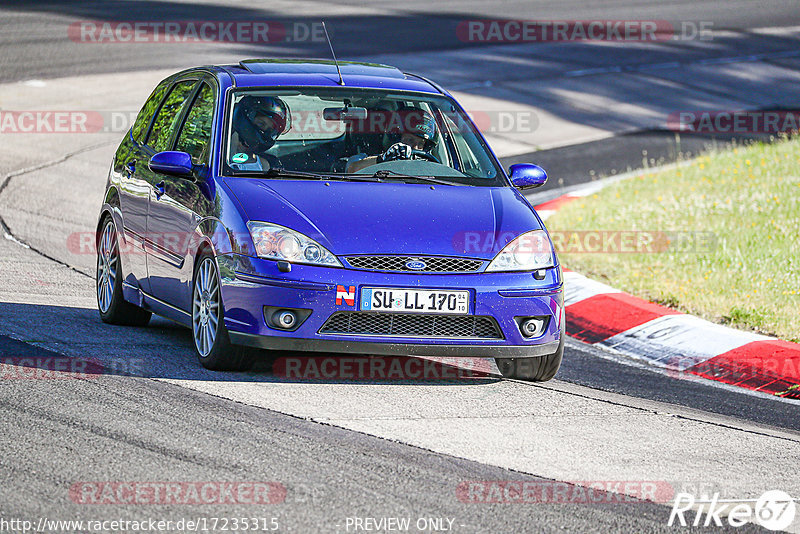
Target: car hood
x,y
390,218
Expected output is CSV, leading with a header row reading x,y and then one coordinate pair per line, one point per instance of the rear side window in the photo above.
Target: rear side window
x,y
165,122
150,107
196,130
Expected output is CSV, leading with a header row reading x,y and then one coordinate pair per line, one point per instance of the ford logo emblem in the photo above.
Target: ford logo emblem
x,y
415,265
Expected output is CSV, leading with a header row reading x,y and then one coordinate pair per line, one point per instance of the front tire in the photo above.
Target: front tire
x,y
211,341
113,307
537,369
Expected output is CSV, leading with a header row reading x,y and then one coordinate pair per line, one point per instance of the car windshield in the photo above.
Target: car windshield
x,y
335,133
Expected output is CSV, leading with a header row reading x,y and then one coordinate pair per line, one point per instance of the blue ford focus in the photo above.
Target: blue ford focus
x,y
294,205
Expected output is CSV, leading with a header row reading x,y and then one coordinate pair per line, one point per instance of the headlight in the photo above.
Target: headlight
x,y
275,242
529,252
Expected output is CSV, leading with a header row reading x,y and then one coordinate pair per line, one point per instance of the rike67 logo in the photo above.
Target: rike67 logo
x,y
347,295
774,510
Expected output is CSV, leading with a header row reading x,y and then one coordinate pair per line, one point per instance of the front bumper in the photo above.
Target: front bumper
x,y
392,348
249,284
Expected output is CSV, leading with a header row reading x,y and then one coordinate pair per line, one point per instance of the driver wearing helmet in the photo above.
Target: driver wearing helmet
x,y
417,137
257,123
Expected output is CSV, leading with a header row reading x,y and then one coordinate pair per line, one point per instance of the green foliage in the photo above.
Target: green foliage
x,y
745,199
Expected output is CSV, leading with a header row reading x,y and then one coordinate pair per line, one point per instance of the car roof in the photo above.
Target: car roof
x,y
323,73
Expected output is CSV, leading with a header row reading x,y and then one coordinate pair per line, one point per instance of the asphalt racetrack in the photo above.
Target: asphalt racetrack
x,y
340,455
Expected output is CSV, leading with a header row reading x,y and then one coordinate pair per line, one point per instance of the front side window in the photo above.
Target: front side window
x,y
355,131
166,120
196,130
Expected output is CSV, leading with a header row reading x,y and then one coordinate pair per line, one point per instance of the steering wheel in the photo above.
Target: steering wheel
x,y
421,154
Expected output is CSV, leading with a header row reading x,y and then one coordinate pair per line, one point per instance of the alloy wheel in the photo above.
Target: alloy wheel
x,y
205,307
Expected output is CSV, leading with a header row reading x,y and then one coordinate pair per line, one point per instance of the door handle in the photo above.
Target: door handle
x,y
130,168
159,189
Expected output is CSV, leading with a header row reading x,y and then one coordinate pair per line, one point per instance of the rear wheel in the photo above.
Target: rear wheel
x,y
114,309
211,341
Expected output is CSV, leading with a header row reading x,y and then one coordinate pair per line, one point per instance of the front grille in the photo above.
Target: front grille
x,y
412,325
433,264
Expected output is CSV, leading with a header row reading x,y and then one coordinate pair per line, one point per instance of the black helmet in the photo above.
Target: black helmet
x,y
422,124
414,121
250,107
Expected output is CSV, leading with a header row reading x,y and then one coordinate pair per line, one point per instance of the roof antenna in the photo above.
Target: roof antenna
x,y
341,80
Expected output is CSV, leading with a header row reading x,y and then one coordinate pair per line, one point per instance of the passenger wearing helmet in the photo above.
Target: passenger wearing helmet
x,y
257,123
416,140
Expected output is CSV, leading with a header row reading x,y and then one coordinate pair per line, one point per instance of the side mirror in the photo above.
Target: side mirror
x,y
173,163
527,175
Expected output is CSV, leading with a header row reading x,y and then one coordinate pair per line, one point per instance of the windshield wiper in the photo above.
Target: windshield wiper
x,y
283,173
273,173
386,173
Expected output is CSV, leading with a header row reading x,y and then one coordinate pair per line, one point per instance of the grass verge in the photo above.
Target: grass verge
x,y
718,237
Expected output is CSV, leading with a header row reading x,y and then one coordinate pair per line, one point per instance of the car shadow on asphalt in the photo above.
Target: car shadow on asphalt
x,y
45,341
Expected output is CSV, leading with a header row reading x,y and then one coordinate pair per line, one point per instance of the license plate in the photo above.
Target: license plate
x,y
392,299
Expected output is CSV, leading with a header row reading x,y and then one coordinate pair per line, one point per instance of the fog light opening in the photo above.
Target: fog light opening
x,y
532,326
284,319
